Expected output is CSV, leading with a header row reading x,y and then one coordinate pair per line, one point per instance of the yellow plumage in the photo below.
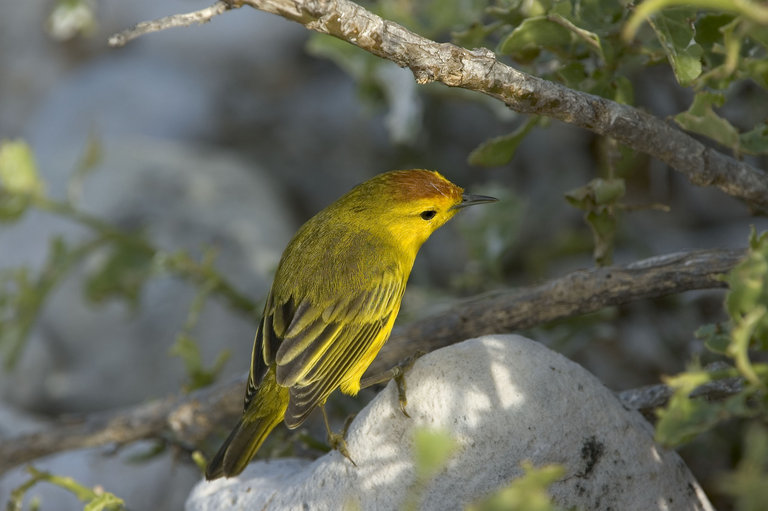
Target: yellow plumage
x,y
334,300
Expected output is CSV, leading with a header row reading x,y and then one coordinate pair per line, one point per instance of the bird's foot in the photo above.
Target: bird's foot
x,y
398,374
337,441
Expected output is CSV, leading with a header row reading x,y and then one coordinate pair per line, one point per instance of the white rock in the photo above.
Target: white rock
x,y
505,399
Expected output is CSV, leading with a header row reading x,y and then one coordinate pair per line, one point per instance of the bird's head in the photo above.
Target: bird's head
x,y
410,204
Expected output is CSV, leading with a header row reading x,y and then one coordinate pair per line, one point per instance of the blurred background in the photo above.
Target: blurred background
x,y
220,140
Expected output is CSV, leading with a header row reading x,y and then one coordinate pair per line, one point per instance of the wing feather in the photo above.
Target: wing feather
x,y
315,359
328,375
314,349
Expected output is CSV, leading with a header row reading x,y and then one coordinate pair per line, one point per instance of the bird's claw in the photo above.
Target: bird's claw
x,y
338,441
399,377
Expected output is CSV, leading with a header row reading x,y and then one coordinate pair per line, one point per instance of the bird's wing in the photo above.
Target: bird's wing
x,y
266,342
319,347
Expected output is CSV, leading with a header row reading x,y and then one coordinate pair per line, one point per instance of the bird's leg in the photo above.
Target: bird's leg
x,y
336,440
396,373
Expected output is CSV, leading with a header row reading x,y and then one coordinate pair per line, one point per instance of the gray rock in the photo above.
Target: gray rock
x,y
158,483
505,399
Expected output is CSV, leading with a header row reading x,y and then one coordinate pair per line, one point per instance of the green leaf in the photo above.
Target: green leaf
x,y
590,38
748,293
573,75
675,31
603,224
188,350
708,27
598,192
684,418
758,33
715,339
475,35
532,35
624,90
604,17
22,296
510,14
526,493
746,484
122,273
757,70
597,198
500,150
702,119
19,181
755,141
432,450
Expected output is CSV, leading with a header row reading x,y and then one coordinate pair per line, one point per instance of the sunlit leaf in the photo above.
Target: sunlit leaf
x,y
431,450
684,418
674,29
19,181
71,18
526,493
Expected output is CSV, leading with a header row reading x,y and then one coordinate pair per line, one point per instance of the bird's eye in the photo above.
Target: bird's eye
x,y
428,215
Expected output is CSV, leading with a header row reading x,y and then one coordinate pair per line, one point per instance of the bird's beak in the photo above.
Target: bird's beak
x,y
468,199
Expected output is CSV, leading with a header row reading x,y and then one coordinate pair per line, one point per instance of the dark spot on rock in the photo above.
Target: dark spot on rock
x,y
591,452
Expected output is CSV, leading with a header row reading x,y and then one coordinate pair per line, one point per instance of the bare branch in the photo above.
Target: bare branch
x,y
479,70
577,293
647,399
186,419
189,419
177,20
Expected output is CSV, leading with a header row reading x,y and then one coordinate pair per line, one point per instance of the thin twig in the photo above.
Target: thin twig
x,y
176,20
188,419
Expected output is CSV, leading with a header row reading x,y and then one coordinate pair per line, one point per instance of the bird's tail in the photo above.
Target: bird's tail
x,y
264,412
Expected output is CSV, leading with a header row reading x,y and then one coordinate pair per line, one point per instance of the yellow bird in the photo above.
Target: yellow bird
x,y
335,297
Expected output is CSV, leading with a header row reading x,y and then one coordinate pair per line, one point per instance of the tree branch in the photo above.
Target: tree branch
x,y
189,419
577,293
479,70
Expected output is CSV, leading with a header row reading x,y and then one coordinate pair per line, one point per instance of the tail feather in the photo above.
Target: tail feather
x,y
238,449
265,411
